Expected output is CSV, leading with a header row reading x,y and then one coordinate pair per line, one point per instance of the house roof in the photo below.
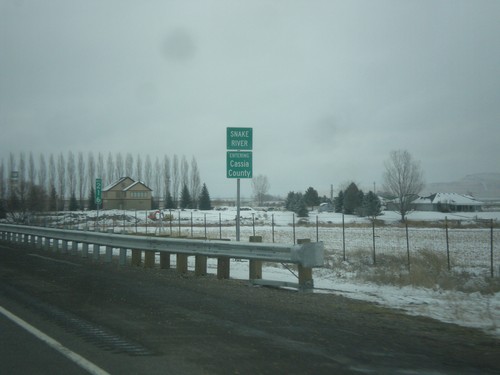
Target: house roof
x,y
120,180
448,198
134,184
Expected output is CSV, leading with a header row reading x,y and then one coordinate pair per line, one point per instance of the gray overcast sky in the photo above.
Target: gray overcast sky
x,y
329,87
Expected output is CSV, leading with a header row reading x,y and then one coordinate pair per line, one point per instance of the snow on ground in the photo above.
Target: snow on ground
x,y
469,252
473,310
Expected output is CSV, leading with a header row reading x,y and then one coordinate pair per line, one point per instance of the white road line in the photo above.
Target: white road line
x,y
76,358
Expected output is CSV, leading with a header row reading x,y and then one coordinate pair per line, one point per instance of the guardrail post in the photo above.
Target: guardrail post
x,y
39,242
306,281
85,250
109,254
255,267
47,243
33,241
74,247
96,251
149,259
223,267
136,257
164,260
200,265
182,263
122,260
65,247
55,245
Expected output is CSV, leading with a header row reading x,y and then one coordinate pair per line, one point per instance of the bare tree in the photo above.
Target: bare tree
x,y
101,172
157,179
61,181
42,173
166,175
195,182
138,168
403,178
120,167
148,171
260,186
175,179
91,170
31,170
71,171
110,168
82,179
184,171
129,165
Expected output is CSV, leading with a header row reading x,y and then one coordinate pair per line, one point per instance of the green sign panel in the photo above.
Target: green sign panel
x,y
239,138
239,164
98,191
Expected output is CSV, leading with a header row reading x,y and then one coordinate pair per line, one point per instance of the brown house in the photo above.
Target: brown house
x,y
126,194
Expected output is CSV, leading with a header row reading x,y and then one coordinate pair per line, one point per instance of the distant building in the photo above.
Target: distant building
x,y
126,194
447,202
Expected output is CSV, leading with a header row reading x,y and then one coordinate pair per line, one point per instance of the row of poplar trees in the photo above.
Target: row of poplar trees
x,y
66,181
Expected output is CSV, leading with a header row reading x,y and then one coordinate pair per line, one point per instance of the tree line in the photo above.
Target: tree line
x,y
403,180
66,181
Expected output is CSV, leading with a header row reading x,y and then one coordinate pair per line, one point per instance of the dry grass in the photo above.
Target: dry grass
x,y
427,270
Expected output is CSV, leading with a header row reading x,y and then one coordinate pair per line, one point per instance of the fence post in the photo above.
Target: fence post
x,y
447,242
491,247
255,267
317,228
272,225
220,227
407,245
306,282
373,234
343,234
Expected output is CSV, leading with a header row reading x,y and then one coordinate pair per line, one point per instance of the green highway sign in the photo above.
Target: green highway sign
x,y
239,138
239,164
98,191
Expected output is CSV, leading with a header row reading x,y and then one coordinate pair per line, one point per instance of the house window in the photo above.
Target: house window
x,y
139,194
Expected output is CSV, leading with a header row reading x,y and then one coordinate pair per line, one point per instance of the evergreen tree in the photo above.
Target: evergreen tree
x,y
186,200
169,202
155,203
339,202
311,197
73,203
204,200
371,205
91,202
53,198
301,208
289,201
295,202
351,199
3,210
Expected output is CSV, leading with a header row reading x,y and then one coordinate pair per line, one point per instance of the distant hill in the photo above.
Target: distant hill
x,y
480,185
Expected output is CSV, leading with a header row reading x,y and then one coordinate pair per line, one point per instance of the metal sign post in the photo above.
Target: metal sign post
x,y
238,162
98,197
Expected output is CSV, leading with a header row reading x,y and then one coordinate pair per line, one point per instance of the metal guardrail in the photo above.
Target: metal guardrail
x,y
307,255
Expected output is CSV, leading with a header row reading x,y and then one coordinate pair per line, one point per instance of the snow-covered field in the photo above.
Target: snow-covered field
x,y
470,254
